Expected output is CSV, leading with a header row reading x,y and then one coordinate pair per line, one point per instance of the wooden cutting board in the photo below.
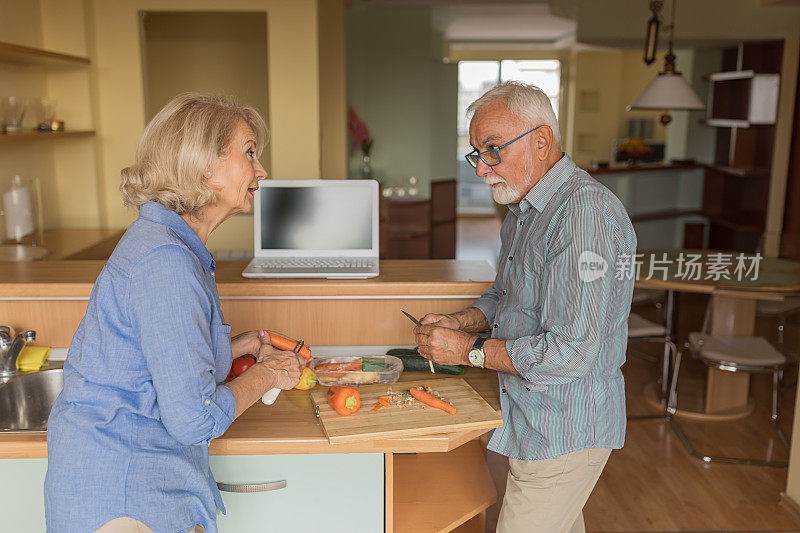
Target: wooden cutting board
x,y
472,412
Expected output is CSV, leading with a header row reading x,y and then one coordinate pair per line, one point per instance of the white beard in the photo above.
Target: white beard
x,y
504,194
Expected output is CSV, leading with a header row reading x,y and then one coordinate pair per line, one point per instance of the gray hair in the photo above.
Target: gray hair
x,y
528,102
179,145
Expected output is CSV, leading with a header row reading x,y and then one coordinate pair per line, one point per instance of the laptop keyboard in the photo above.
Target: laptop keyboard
x,y
314,263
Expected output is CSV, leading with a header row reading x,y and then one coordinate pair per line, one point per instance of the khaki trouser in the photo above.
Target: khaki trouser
x,y
129,525
549,495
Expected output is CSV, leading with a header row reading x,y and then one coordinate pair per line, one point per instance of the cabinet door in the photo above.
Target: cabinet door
x,y
22,494
327,492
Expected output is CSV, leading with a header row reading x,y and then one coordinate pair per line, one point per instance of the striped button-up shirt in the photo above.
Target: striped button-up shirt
x,y
563,309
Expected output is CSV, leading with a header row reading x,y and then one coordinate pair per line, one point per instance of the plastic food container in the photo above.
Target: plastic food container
x,y
353,370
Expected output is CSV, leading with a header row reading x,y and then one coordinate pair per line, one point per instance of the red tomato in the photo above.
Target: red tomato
x,y
240,364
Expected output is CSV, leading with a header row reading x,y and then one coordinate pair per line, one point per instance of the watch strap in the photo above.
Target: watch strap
x,y
478,344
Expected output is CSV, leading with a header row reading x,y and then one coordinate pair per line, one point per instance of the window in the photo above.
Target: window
x,y
474,79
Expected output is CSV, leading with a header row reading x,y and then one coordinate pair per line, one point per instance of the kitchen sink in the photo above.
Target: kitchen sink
x,y
26,400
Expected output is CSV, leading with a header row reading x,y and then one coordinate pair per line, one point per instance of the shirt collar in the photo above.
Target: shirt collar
x,y
159,214
541,193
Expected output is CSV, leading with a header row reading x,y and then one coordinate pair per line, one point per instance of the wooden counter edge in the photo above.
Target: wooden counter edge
x,y
75,279
34,445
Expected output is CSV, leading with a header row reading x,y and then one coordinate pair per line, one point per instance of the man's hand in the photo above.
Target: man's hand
x,y
445,321
443,345
247,343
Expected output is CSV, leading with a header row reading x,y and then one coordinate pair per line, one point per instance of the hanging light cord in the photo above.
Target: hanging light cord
x,y
669,59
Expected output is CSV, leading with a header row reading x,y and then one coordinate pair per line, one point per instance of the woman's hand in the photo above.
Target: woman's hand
x,y
284,367
247,343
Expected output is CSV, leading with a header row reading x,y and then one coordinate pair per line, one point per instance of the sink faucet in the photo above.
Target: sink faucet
x,y
10,348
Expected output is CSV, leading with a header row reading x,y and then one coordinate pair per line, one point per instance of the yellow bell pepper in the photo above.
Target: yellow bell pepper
x,y
308,380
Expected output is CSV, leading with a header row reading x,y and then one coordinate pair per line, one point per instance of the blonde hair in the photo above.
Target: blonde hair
x,y
527,102
179,145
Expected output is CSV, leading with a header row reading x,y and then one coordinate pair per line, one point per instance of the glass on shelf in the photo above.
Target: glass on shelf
x,y
45,109
13,109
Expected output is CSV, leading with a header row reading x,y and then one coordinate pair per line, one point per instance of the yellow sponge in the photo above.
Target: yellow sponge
x,y
31,358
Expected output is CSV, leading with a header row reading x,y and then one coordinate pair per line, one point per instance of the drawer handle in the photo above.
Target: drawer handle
x,y
252,487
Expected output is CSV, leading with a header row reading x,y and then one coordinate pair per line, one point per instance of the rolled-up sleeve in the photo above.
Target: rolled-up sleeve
x,y
487,303
573,315
172,316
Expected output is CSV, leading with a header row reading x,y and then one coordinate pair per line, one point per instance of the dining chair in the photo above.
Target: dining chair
x,y
734,354
641,329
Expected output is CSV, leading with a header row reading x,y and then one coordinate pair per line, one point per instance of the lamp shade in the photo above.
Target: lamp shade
x,y
667,91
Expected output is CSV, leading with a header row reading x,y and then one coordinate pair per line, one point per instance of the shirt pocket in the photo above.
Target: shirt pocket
x,y
221,343
527,281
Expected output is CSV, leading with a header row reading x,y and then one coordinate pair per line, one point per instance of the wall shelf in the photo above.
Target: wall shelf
x,y
14,53
11,138
741,172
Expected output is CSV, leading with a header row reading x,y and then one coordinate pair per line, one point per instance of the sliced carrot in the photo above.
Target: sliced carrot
x,y
336,370
349,365
384,402
376,408
433,401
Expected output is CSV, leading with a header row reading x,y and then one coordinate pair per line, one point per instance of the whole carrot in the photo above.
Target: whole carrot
x,y
433,401
284,343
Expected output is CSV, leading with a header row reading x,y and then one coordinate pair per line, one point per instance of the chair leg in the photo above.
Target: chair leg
x,y
665,362
781,328
777,380
716,459
775,388
672,402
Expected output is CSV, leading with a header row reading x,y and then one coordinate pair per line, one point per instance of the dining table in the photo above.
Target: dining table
x,y
735,281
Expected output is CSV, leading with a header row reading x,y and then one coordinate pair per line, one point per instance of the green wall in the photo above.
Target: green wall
x,y
405,95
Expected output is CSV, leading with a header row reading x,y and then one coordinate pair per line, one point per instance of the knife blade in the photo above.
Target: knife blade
x,y
417,322
414,320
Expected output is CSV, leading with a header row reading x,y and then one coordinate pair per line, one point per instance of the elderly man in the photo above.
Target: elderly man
x,y
557,313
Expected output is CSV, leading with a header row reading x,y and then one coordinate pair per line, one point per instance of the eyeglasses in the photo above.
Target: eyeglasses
x,y
492,157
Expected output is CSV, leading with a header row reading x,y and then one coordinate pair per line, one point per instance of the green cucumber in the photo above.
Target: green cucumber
x,y
417,363
402,351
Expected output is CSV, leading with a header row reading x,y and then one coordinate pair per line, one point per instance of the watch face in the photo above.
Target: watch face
x,y
475,358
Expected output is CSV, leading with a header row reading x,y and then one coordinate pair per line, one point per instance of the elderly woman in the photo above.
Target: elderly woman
x,y
128,437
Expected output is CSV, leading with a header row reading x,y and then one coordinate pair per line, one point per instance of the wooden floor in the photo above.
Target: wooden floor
x,y
653,484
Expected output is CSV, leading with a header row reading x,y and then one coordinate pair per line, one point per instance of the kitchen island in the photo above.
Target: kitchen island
x,y
437,482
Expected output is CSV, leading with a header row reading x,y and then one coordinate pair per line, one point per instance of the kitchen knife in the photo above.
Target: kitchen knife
x,y
417,322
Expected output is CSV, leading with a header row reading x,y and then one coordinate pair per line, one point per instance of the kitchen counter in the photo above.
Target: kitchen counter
x,y
51,298
289,427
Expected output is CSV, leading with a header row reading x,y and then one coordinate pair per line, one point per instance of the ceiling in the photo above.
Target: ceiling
x,y
463,23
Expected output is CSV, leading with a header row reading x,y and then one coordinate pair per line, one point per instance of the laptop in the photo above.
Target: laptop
x,y
315,229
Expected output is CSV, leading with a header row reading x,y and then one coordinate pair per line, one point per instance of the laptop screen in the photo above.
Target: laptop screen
x,y
316,218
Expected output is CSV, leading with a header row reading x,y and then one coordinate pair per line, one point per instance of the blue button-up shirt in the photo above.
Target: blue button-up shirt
x,y
560,304
142,397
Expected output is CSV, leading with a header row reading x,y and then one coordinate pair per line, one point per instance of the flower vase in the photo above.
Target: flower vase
x,y
366,168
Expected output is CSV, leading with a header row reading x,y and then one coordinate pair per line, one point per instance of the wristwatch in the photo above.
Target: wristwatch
x,y
476,355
